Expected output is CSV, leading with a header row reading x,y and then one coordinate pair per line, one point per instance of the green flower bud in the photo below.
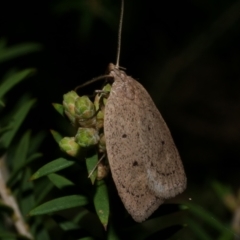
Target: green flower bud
x,y
69,105
99,102
85,112
102,143
102,171
96,101
87,137
100,114
99,118
69,146
106,88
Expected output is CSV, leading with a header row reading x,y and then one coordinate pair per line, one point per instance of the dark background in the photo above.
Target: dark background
x,y
185,53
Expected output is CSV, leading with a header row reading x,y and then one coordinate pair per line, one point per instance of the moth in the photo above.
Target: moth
x,y
144,161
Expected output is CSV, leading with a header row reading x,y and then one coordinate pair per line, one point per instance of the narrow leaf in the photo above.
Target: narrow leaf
x,y
38,228
18,50
36,141
17,120
21,152
101,202
206,217
221,189
60,181
2,104
13,177
7,236
65,224
26,199
60,204
91,163
229,236
51,167
56,135
14,79
42,189
59,108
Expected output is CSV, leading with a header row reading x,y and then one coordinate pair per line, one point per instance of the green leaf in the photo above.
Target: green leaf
x,y
2,104
14,79
18,50
59,108
13,177
42,188
207,217
101,202
51,167
91,163
16,122
86,221
36,141
39,230
228,236
60,181
21,152
221,189
10,236
4,129
60,204
26,199
56,135
19,158
65,224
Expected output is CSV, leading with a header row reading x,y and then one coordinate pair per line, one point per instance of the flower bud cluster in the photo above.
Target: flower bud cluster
x,y
88,118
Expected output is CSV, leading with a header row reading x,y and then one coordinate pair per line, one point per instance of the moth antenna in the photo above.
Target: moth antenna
x,y
120,34
91,81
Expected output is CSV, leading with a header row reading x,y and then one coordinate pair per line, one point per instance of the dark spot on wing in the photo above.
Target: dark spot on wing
x,y
135,163
124,135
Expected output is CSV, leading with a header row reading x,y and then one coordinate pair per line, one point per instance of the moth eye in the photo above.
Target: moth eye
x,y
124,135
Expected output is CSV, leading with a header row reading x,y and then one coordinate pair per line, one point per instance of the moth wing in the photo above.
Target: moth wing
x,y
164,168
126,157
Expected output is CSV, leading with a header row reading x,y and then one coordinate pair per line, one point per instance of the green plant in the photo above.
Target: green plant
x,y
91,197
18,150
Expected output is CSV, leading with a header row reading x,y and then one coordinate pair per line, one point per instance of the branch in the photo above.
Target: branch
x,y
9,200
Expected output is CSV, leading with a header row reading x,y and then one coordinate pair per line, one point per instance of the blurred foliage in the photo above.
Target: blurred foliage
x,y
187,56
18,148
